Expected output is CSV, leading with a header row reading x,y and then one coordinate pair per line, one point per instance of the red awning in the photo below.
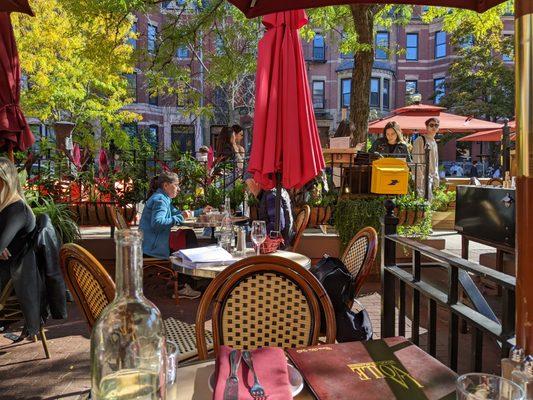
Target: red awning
x,y
494,135
286,136
255,8
14,130
412,120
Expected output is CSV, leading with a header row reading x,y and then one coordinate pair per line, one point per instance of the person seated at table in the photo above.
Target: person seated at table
x,y
158,218
392,142
267,209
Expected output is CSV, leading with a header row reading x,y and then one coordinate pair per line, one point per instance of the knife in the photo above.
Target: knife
x,y
231,391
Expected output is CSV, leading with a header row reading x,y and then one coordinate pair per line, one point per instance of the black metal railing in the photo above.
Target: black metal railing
x,y
482,321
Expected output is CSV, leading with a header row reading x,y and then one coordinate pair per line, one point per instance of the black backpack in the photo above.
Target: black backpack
x,y
340,287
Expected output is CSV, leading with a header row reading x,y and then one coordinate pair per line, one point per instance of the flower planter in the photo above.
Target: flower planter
x,y
319,215
88,213
409,217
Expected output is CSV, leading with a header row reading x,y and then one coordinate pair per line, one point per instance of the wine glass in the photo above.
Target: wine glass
x,y
259,234
476,386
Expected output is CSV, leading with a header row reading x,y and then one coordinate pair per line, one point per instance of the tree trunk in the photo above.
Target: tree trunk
x,y
363,18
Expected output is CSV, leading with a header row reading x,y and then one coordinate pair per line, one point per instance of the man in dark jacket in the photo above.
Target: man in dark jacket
x,y
267,210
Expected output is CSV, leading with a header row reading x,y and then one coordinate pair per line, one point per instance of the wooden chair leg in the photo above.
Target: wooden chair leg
x,y
45,343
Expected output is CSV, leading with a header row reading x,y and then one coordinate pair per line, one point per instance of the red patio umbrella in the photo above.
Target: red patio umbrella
x,y
285,137
412,120
16,6
255,8
494,135
14,130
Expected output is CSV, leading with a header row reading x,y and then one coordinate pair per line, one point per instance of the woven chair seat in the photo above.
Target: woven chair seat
x,y
184,335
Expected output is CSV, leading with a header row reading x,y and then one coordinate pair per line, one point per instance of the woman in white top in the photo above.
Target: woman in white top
x,y
427,140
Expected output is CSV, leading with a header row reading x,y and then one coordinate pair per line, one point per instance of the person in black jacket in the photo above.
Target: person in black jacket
x,y
29,255
391,142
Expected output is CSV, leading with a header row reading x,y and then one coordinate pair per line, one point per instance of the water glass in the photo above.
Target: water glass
x,y
487,387
258,234
172,370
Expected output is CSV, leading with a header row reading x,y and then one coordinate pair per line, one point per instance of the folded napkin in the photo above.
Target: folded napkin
x,y
270,366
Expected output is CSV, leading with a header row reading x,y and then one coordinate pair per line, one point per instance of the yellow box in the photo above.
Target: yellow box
x,y
389,176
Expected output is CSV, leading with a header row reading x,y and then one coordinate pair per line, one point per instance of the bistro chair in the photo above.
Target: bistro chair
x,y
10,312
264,301
163,268
94,289
360,255
300,224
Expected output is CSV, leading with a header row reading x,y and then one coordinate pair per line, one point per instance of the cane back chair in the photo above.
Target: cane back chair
x,y
360,255
163,268
264,301
94,289
300,224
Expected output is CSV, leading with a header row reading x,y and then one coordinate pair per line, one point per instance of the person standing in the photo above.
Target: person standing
x,y
427,140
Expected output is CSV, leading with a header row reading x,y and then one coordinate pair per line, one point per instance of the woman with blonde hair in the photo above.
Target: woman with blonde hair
x,y
392,142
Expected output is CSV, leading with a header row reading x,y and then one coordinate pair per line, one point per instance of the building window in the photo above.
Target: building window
x,y
132,40
386,93
411,87
132,86
382,46
411,47
507,55
318,94
130,129
183,135
152,136
439,89
346,89
182,52
374,92
153,99
165,5
440,44
152,36
348,55
467,41
319,48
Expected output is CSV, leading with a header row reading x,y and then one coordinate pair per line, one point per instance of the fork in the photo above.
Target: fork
x,y
257,391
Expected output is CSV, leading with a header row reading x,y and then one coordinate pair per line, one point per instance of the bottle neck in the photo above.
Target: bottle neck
x,y
129,269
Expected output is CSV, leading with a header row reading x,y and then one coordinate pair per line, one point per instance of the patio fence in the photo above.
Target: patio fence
x,y
475,312
352,174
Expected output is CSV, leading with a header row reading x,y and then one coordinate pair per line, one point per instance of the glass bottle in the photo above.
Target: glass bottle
x,y
516,357
524,378
128,349
227,234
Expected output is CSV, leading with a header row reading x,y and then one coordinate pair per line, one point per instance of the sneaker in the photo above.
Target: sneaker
x,y
189,293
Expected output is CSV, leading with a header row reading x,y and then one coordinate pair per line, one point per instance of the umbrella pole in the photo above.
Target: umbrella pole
x,y
278,199
10,154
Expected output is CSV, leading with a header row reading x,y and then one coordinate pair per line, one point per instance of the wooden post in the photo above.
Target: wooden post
x,y
524,192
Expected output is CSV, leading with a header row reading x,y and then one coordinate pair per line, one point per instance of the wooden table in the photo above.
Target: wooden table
x,y
192,383
212,271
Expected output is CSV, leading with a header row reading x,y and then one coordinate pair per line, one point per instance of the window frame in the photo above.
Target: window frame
x,y
132,90
180,56
416,85
151,42
440,45
386,83
322,56
378,48
323,95
153,100
349,93
407,47
378,80
437,97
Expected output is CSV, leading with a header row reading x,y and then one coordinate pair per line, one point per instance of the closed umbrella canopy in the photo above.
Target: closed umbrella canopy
x,y
285,138
14,130
255,8
494,135
412,120
15,6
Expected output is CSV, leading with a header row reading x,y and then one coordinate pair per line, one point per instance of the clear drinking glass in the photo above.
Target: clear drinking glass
x,y
487,387
258,234
172,370
128,350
